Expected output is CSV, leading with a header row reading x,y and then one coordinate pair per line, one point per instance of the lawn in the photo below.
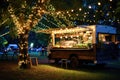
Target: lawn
x,y
9,70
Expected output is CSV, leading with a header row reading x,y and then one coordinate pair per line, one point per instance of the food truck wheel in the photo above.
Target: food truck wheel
x,y
101,65
56,61
74,62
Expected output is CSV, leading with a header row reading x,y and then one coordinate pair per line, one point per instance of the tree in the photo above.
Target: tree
x,y
25,14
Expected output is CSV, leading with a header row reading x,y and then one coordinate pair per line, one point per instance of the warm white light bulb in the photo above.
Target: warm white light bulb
x,y
99,3
89,7
110,0
80,9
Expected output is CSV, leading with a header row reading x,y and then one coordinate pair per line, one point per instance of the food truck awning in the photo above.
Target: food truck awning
x,y
63,30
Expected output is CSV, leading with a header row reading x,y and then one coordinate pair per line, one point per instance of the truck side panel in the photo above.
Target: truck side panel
x,y
82,54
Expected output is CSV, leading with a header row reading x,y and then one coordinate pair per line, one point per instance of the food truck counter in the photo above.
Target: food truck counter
x,y
70,49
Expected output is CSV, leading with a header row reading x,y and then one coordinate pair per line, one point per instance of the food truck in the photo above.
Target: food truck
x,y
95,44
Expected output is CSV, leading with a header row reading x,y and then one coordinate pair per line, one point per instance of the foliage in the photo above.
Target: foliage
x,y
39,39
118,10
3,42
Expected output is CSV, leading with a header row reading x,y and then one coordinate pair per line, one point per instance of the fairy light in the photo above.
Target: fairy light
x,y
89,7
107,14
77,14
100,10
110,0
80,9
71,36
72,10
61,37
84,16
96,10
99,3
21,25
58,12
67,11
65,15
66,36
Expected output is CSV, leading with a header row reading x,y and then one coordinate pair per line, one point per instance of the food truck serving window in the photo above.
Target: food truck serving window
x,y
82,39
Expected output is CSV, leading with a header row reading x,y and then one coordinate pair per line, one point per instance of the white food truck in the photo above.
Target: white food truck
x,y
97,44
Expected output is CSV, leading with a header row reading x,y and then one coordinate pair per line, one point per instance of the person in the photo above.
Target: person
x,y
16,51
43,51
40,50
48,48
5,53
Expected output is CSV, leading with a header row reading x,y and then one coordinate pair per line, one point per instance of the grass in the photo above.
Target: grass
x,y
11,71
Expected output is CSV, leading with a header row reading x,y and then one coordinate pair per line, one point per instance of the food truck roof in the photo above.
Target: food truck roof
x,y
96,28
63,30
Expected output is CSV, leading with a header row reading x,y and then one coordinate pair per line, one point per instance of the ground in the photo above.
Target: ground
x,y
9,70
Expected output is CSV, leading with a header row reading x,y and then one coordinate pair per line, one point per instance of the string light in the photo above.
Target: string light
x,y
84,16
65,15
21,25
89,7
110,0
80,9
99,3
67,11
72,10
107,14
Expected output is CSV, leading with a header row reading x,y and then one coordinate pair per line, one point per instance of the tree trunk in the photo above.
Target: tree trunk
x,y
23,59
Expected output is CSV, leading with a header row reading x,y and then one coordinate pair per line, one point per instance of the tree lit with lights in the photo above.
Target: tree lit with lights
x,y
25,17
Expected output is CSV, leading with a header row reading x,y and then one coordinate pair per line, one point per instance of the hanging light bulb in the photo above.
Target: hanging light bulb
x,y
66,36
72,10
110,0
60,37
77,14
89,7
71,36
99,3
77,36
80,9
